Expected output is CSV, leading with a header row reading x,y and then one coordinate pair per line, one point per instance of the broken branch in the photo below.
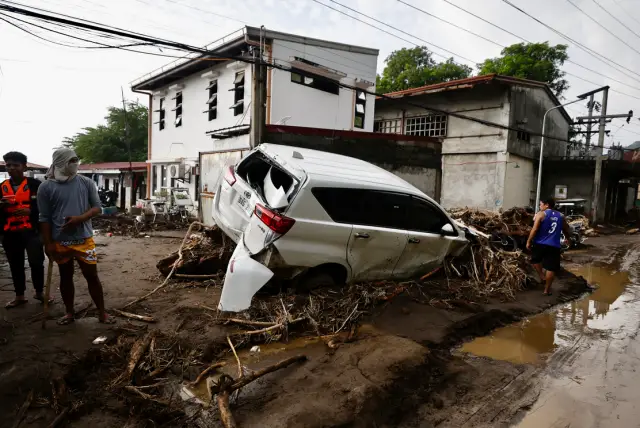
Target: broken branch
x,y
137,352
59,418
137,317
173,268
23,409
206,371
245,380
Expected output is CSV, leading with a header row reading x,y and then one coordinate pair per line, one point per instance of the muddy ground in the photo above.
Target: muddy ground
x,y
403,369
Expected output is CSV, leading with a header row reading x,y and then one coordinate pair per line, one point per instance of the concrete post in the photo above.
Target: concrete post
x,y
589,125
258,95
597,177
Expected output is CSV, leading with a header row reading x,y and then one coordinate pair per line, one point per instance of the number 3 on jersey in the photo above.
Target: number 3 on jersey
x,y
553,227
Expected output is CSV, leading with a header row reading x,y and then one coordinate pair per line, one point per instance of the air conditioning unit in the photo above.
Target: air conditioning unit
x,y
177,170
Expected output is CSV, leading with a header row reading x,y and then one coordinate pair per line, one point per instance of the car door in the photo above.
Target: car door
x,y
427,245
377,239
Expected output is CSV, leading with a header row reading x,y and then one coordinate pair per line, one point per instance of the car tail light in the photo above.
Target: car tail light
x,y
274,221
230,176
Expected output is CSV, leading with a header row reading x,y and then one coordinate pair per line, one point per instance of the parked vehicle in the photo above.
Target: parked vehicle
x,y
321,219
575,239
108,198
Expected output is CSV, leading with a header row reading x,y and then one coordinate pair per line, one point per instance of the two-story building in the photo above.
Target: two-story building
x,y
482,166
201,106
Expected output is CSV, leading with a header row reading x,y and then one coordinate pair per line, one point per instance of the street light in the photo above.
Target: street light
x,y
544,122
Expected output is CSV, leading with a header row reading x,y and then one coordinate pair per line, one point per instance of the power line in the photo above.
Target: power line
x,y
123,33
590,51
614,17
603,27
523,39
388,32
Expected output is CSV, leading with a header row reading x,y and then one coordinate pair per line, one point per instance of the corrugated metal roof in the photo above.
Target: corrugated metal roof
x,y
634,146
473,81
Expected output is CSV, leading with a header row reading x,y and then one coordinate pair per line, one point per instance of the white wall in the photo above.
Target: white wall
x,y
310,107
188,140
519,189
473,180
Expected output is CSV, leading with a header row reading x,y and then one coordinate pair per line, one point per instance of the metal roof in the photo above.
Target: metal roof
x,y
112,165
29,165
471,82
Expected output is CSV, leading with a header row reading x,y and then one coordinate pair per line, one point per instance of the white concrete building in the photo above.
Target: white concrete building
x,y
482,166
201,106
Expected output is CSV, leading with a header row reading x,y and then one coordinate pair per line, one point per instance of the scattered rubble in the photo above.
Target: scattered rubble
x,y
124,225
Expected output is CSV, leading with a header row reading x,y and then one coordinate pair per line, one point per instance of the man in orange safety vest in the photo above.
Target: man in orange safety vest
x,y
19,227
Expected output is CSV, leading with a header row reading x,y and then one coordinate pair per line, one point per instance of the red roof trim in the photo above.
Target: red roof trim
x,y
113,165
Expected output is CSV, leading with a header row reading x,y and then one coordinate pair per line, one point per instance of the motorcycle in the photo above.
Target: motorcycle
x,y
576,238
108,198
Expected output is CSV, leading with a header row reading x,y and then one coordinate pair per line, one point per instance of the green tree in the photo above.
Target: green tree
x,y
413,67
534,61
107,143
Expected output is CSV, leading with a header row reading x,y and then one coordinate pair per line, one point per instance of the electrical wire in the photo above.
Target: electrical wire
x,y
595,21
390,33
616,18
173,44
602,58
524,40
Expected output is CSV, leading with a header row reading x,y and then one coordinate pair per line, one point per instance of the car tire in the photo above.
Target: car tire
x,y
313,280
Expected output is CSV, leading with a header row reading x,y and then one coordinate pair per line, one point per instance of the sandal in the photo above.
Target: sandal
x,y
15,303
65,320
547,294
40,298
107,320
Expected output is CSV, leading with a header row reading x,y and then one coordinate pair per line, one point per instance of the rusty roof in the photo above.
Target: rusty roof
x,y
470,82
112,165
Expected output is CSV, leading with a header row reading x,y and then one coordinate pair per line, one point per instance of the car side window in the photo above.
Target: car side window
x,y
425,217
364,207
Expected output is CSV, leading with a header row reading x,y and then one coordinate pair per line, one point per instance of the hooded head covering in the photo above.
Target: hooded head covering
x,y
61,170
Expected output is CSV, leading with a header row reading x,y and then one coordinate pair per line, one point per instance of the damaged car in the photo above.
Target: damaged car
x,y
321,219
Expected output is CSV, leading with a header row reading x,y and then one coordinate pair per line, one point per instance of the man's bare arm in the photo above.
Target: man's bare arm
x,y
45,231
536,226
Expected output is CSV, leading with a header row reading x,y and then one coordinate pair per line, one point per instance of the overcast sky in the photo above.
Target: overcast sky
x,y
48,92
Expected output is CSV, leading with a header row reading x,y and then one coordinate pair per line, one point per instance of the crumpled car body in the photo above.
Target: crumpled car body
x,y
318,217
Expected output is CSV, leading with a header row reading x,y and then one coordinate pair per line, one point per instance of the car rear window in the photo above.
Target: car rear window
x,y
364,207
255,168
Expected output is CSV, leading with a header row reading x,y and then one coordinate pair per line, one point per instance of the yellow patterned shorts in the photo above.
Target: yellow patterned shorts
x,y
83,250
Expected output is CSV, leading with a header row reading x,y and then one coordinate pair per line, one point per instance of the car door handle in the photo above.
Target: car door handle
x,y
414,241
362,236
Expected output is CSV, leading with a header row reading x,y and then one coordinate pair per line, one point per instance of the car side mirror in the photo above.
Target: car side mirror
x,y
447,229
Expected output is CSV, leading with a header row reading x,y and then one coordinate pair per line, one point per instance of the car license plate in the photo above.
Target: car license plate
x,y
244,204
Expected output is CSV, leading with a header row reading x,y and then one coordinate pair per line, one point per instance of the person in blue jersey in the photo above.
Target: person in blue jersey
x,y
544,242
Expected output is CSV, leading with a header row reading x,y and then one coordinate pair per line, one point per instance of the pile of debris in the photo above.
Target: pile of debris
x,y
124,225
205,255
493,265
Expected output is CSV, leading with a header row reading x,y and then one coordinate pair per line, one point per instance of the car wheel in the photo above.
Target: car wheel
x,y
314,280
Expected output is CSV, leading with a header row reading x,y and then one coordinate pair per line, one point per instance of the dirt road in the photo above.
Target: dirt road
x,y
575,365
406,367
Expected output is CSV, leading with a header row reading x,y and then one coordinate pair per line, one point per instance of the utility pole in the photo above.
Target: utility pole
x,y
259,91
589,122
597,177
127,141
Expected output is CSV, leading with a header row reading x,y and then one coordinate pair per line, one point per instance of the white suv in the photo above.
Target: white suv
x,y
320,219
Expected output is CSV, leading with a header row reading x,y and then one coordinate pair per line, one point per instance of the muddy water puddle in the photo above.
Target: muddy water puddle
x,y
532,340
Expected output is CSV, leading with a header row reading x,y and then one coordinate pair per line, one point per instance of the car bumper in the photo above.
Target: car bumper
x,y
243,279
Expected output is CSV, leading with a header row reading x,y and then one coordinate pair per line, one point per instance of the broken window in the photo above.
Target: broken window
x,y
272,183
361,103
178,109
212,102
432,125
313,81
161,114
387,126
238,99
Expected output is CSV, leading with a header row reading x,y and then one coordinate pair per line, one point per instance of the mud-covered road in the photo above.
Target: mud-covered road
x,y
575,365
563,363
